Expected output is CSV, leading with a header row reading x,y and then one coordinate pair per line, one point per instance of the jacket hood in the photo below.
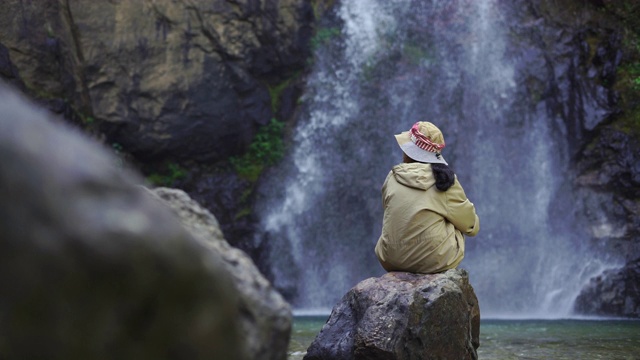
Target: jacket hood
x,y
415,175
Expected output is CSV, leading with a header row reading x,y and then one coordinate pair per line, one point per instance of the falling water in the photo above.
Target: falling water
x,y
387,65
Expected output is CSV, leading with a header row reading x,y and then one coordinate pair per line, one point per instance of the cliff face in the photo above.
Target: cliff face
x,y
614,293
186,80
608,165
176,87
589,83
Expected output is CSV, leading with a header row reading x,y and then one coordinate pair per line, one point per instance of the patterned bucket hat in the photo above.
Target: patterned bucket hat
x,y
423,143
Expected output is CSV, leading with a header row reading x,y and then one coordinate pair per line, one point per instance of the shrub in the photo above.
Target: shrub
x,y
266,149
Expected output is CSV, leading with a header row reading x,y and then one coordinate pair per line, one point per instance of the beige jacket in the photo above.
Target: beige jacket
x,y
423,227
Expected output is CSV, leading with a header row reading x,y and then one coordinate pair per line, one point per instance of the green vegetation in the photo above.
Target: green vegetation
x,y
87,120
631,73
168,175
416,54
628,11
119,151
320,7
275,92
245,211
323,35
266,149
49,30
627,84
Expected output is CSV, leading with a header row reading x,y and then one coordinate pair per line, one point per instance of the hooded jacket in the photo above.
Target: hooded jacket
x,y
423,228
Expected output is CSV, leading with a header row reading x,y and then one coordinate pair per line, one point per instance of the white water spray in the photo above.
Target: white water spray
x,y
394,63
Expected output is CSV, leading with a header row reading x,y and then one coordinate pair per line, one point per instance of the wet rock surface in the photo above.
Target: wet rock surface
x,y
613,293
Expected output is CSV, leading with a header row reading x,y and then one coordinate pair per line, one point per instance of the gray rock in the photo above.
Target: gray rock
x,y
615,292
265,317
608,183
91,266
403,316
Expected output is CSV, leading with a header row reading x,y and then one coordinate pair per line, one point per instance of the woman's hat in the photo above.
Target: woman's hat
x,y
422,143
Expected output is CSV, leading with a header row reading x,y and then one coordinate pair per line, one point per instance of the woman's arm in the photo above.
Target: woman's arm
x,y
460,211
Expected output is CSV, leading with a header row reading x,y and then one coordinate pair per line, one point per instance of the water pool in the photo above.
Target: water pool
x,y
524,339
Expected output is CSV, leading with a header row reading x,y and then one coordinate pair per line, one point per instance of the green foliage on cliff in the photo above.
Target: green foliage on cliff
x,y
168,175
323,35
320,7
275,91
267,148
628,85
627,12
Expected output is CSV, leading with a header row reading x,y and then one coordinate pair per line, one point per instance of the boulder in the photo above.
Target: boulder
x,y
91,265
162,78
616,292
403,316
265,317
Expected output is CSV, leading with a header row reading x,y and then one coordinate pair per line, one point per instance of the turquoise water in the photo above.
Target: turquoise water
x,y
524,339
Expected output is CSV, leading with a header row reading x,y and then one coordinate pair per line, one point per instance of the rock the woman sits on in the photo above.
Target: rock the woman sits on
x,y
426,211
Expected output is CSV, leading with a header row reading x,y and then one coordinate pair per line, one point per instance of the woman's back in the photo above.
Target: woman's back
x,y
426,212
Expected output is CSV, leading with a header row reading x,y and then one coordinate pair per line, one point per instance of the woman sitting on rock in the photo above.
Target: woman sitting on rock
x,y
426,212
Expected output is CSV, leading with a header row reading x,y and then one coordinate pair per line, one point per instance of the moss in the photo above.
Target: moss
x,y
247,168
87,120
628,72
416,54
323,35
535,88
593,42
267,148
167,175
246,211
320,7
629,123
275,92
628,11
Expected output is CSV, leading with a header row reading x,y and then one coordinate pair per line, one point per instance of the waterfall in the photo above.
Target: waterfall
x,y
381,66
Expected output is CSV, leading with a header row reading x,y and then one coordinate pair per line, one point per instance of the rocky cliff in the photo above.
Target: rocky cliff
x,y
175,87
590,85
607,165
614,293
607,162
179,79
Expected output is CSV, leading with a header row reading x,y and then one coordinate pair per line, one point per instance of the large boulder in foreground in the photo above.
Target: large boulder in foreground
x,y
613,293
265,317
91,265
403,316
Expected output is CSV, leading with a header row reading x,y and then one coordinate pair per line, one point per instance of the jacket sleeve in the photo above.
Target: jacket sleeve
x,y
460,211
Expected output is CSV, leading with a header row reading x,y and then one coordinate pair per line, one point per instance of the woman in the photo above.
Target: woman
x,y
426,212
